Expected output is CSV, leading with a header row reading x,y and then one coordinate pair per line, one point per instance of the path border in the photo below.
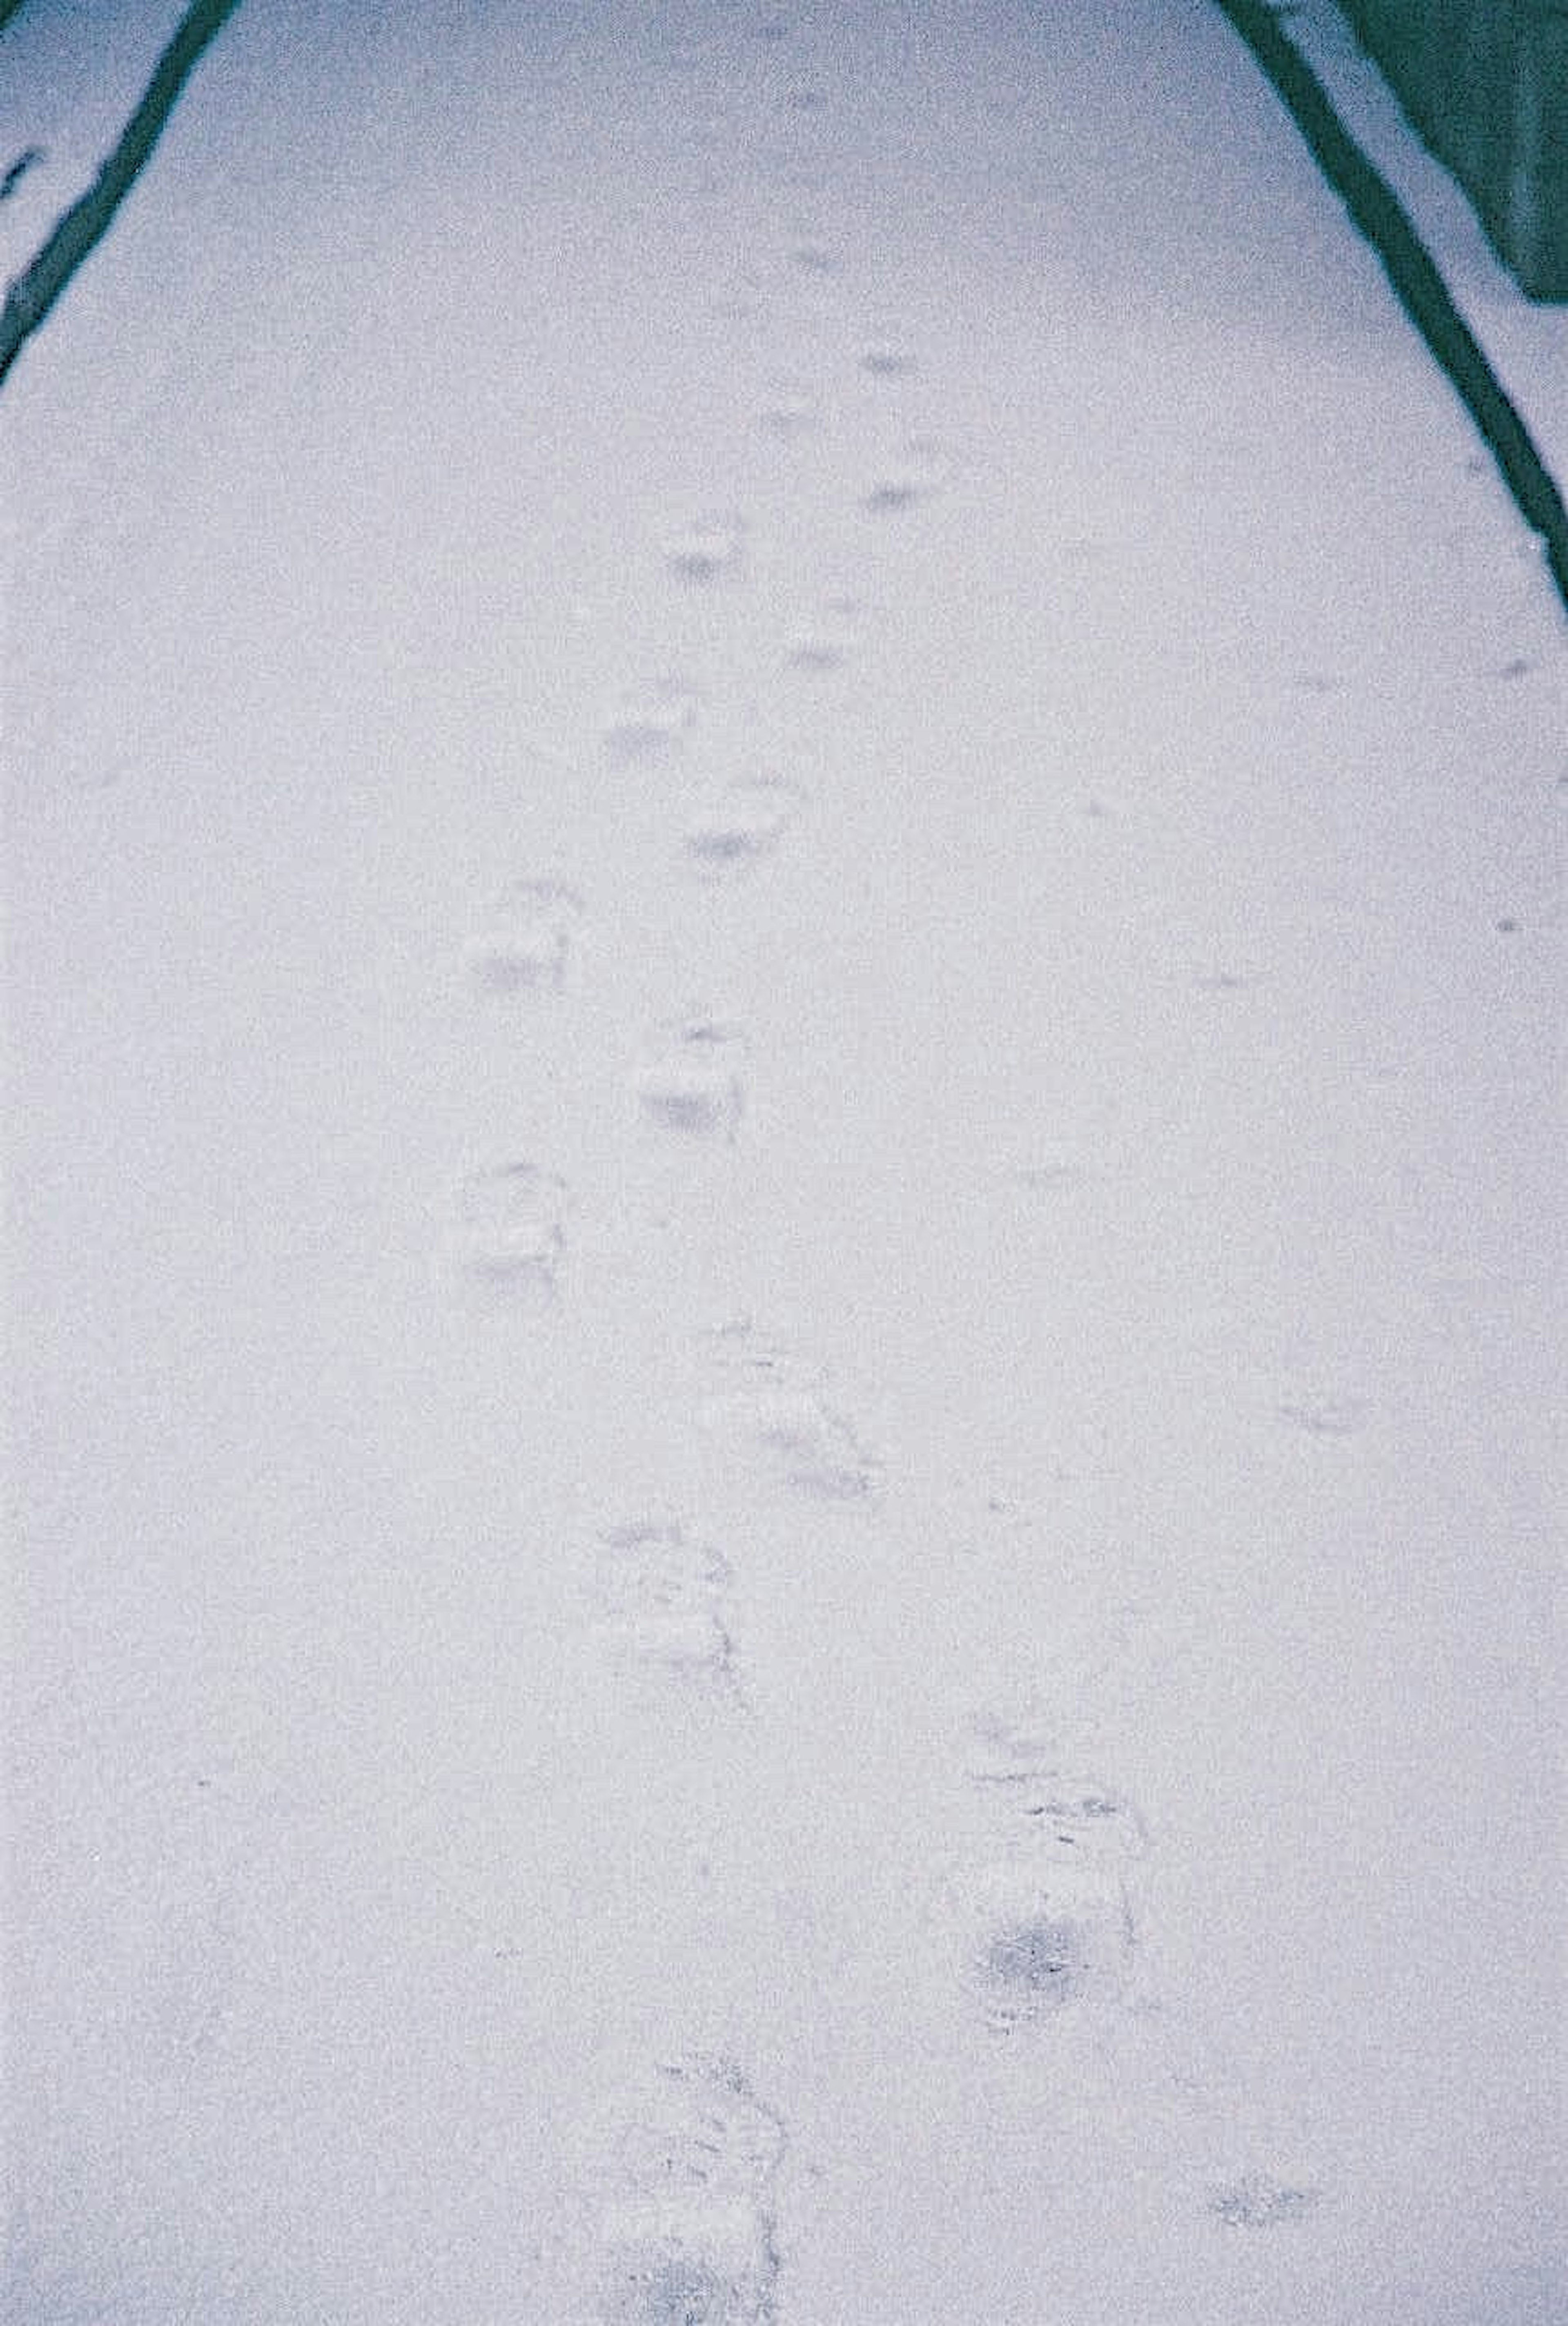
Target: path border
x,y
1378,215
78,231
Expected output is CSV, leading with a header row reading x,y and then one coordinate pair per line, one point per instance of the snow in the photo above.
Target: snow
x,y
785,1200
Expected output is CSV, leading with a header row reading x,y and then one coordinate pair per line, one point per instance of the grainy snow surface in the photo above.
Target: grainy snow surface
x,y
785,804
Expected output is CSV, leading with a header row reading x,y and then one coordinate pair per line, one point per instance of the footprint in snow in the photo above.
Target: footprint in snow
x,y
668,2262
914,476
692,1084
1054,1166
651,721
526,943
507,1231
742,822
829,643
1041,1902
711,550
1256,2202
885,360
661,1599
791,410
701,2126
685,2232
1326,1416
767,1413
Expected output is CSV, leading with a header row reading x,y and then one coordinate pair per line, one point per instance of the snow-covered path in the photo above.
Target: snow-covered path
x,y
784,817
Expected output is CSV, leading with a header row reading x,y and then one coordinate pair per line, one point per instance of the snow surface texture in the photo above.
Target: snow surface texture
x,y
784,819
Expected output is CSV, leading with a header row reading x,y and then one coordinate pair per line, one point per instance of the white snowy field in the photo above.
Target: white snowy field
x,y
786,807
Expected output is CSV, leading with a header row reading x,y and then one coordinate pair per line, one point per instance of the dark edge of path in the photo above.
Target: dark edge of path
x,y
1420,289
76,234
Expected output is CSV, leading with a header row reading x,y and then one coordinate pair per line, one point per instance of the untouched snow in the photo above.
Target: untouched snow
x,y
786,1242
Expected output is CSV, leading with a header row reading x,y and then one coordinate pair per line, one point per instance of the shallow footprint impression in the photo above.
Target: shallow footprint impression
x,y
651,721
789,410
768,1414
744,821
915,475
507,1231
710,549
685,2232
683,2265
827,645
1256,2202
886,359
526,943
1044,1913
691,1084
660,1600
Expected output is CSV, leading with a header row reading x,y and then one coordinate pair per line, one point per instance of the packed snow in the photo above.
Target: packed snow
x,y
786,807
